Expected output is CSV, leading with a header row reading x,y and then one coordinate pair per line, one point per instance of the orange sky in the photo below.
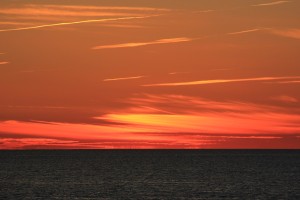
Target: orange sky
x,y
149,74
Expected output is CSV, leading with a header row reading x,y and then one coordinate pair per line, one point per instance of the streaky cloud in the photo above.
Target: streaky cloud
x,y
77,22
138,44
271,3
4,63
288,82
218,81
247,31
290,33
205,11
175,73
285,99
123,78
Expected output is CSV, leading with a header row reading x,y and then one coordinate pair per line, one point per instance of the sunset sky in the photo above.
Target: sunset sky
x,y
93,74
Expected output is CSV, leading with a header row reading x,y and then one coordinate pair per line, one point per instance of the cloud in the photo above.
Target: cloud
x,y
71,23
138,44
4,63
47,15
247,31
165,121
218,81
124,78
285,99
123,26
271,3
204,11
287,82
78,10
175,73
22,143
196,115
55,12
290,33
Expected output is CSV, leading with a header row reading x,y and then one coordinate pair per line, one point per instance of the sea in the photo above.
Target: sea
x,y
150,174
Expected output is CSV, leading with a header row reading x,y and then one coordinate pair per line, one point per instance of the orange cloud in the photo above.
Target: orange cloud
x,y
196,115
78,10
21,143
152,123
247,31
4,63
54,12
204,11
285,99
205,82
124,78
290,33
271,3
138,44
286,82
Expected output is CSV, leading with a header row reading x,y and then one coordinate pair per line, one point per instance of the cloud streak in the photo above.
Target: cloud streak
x,y
247,31
285,99
218,81
271,3
139,44
290,33
123,78
4,63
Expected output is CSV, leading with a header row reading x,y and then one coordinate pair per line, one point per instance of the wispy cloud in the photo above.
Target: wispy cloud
x,y
123,26
78,10
271,3
175,73
290,33
44,15
123,78
204,11
247,31
138,44
288,82
218,81
71,23
285,99
56,12
4,63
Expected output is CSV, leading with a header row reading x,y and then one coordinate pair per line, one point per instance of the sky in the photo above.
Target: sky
x,y
141,74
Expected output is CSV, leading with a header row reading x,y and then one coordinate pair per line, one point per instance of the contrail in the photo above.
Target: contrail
x,y
77,22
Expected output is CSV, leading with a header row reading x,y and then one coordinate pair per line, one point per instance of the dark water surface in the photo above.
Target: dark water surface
x,y
150,174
